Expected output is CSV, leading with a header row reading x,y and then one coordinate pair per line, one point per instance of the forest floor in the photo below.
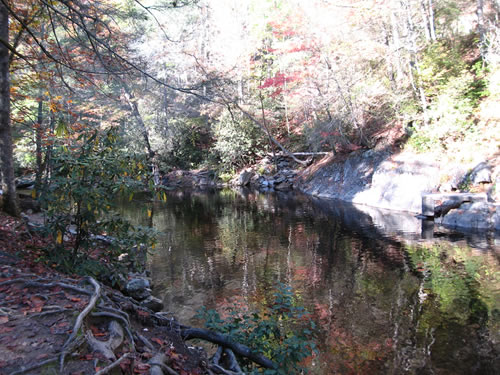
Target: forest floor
x,y
51,321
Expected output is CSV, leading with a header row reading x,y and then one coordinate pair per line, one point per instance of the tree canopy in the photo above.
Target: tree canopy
x,y
220,83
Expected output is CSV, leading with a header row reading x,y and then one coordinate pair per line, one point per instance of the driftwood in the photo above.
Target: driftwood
x,y
226,341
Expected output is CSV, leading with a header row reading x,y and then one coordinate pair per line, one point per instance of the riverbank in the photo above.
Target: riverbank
x,y
383,177
397,181
50,321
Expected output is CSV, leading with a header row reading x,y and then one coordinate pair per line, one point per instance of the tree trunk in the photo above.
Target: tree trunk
x,y
425,20
144,131
10,203
38,144
432,25
481,29
137,115
264,122
414,62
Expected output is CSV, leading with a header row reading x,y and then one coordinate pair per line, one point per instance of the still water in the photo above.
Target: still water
x,y
386,300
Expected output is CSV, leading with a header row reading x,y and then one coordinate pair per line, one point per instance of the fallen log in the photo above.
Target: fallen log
x,y
280,154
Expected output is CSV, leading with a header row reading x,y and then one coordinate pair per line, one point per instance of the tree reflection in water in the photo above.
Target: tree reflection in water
x,y
385,302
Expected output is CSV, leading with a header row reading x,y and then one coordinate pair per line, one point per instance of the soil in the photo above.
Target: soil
x,y
48,318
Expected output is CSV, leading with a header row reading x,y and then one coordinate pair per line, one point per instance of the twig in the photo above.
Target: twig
x,y
51,311
116,363
79,319
145,341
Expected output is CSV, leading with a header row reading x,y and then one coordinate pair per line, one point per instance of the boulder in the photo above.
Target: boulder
x,y
138,289
481,174
153,303
244,177
474,215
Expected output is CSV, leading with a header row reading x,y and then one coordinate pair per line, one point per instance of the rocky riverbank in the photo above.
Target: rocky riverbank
x,y
378,178
398,181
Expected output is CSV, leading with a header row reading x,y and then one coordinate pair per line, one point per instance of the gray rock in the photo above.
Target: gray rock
x,y
481,174
153,303
478,215
138,289
284,186
278,179
244,177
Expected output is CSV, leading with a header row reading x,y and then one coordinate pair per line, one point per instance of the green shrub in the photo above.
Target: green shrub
x,y
238,141
87,178
283,331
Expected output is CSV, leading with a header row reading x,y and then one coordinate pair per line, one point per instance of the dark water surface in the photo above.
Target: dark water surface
x,y
386,301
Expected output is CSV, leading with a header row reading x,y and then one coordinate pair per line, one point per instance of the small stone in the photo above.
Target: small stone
x,y
284,186
153,303
138,289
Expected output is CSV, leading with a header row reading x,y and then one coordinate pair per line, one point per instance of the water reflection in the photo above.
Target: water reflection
x,y
387,301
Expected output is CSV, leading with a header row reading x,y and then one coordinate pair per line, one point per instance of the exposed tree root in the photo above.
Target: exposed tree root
x,y
159,366
217,338
123,320
107,348
79,320
105,312
116,363
233,367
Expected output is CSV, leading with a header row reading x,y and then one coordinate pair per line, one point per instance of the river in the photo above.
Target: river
x,y
389,295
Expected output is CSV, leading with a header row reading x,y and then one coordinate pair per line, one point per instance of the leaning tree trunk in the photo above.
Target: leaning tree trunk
x,y
10,203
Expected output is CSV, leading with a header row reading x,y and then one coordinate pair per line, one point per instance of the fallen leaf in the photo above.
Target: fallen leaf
x,y
4,319
158,341
37,303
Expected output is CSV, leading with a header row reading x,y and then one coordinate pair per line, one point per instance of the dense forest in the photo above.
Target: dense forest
x,y
216,84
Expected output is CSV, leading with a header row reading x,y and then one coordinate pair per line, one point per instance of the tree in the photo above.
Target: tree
x,y
10,203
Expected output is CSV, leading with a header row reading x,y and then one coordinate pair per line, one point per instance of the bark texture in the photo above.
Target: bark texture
x,y
10,203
